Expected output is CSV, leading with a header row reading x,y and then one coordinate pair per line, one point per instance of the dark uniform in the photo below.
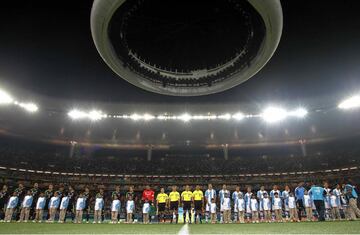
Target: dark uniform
x,y
87,206
3,199
48,194
70,208
35,193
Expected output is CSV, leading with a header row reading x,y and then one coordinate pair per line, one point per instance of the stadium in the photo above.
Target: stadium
x,y
180,117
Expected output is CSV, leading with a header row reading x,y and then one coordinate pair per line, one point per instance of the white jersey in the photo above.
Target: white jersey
x,y
226,204
292,202
27,202
146,208
130,206
254,206
40,204
99,204
307,201
327,198
333,201
115,205
277,205
209,194
64,203
80,204
213,208
54,202
247,199
13,201
240,204
266,204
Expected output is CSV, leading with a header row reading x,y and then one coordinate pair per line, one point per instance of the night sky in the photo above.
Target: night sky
x,y
46,47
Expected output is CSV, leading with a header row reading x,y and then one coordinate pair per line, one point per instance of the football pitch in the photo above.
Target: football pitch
x,y
341,227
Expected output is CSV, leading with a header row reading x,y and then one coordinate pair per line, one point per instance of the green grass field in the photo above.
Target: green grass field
x,y
274,228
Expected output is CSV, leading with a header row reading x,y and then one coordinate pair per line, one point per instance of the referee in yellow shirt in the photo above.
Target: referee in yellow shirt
x,y
186,198
198,196
174,202
161,201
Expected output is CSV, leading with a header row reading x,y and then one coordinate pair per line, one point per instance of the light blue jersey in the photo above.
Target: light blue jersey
x,y
210,194
222,193
317,193
260,196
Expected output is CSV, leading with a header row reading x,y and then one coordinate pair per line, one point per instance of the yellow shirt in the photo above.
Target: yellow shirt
x,y
162,197
198,195
174,196
187,195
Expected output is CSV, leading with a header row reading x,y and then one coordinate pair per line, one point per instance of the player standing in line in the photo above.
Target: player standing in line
x,y
40,205
161,201
299,195
260,197
247,198
254,205
146,211
198,197
267,208
149,195
80,206
86,197
285,197
3,199
115,209
338,192
292,208
48,195
63,207
98,208
53,206
210,194
222,193
235,195
35,194
25,207
186,198
212,208
72,196
277,207
11,206
240,205
130,207
226,205
174,201
20,192
327,200
307,203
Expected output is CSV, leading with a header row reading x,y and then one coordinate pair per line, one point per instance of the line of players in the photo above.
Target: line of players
x,y
326,203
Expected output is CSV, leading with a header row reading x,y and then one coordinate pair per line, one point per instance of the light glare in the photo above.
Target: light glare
x,y
5,98
30,107
350,103
274,114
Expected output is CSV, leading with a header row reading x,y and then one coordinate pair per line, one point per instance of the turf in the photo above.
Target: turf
x,y
274,228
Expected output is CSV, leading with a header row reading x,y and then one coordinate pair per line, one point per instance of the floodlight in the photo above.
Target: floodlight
x,y
185,117
135,117
238,116
96,115
5,98
300,113
350,103
30,107
148,117
226,116
77,114
274,114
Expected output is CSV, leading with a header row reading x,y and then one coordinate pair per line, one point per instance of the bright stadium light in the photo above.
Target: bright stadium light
x,y
226,116
274,114
96,115
148,117
184,117
30,107
238,116
350,103
77,114
5,98
135,117
299,113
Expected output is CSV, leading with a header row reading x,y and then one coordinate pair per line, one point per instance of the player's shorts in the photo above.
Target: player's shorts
x,y
235,208
161,207
174,206
187,205
198,205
